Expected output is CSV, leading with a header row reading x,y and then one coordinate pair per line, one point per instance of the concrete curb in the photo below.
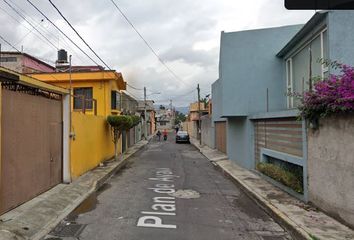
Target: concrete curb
x,y
278,216
10,234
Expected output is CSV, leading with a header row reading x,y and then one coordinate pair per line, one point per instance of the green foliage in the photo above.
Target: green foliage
x,y
120,122
180,117
314,237
281,175
136,120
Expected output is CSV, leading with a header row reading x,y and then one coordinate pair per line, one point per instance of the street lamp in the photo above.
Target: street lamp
x,y
153,93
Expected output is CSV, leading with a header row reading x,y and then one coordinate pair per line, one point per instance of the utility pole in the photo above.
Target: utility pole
x,y
71,100
145,115
199,118
171,120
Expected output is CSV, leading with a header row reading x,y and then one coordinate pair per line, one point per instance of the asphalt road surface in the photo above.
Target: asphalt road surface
x,y
169,191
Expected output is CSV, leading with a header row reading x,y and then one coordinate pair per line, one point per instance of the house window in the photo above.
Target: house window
x,y
304,65
115,100
289,83
78,100
324,48
8,59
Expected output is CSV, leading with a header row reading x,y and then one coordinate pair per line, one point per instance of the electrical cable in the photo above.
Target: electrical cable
x,y
147,44
34,6
78,34
139,89
44,29
29,32
24,18
137,98
9,44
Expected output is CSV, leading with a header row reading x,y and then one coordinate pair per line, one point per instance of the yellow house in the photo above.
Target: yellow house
x,y
102,86
95,95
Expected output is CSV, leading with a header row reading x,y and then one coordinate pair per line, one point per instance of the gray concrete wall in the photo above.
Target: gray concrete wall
x,y
208,132
331,166
191,128
240,141
248,66
216,94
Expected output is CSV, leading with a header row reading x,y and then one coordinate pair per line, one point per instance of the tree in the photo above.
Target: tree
x,y
118,124
180,117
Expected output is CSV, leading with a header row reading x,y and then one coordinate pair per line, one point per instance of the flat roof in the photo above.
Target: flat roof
x,y
29,56
32,82
317,18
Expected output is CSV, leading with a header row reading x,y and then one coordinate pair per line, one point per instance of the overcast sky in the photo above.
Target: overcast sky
x,y
185,33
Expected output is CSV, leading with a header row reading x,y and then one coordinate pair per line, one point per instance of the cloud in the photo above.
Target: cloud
x,y
184,33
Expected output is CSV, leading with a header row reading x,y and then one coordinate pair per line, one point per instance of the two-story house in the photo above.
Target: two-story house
x,y
260,73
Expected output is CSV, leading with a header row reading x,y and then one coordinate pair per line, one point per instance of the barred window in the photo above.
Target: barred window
x,y
115,100
87,94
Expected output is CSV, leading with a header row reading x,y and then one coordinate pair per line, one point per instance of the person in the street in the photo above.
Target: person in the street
x,y
158,134
177,128
165,134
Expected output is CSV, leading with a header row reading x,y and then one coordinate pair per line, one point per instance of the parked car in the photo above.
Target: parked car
x,y
182,136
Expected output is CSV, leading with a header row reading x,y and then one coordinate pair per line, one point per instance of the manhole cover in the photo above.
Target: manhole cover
x,y
68,230
185,194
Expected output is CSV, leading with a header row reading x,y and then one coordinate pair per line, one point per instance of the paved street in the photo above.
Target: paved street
x,y
169,191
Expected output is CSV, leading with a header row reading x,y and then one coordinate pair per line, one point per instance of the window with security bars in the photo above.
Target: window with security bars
x,y
115,100
83,95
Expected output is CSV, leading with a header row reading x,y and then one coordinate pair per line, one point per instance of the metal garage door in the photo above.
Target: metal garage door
x,y
220,136
31,147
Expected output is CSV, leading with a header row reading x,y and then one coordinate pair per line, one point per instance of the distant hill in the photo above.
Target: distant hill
x,y
183,110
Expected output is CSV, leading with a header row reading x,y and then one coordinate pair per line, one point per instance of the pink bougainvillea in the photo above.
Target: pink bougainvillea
x,y
332,95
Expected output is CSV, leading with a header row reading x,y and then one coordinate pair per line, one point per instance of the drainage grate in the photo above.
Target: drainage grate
x,y
70,230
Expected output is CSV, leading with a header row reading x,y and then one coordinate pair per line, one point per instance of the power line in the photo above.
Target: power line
x,y
29,32
22,24
147,44
137,98
24,18
139,89
78,34
15,19
177,96
34,6
9,44
49,33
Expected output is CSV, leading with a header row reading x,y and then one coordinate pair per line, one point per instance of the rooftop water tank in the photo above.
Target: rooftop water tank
x,y
62,56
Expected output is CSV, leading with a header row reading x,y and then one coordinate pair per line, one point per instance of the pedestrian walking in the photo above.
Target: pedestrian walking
x,y
158,135
165,134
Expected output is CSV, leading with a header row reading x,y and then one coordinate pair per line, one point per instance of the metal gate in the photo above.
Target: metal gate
x,y
131,141
124,141
31,147
220,136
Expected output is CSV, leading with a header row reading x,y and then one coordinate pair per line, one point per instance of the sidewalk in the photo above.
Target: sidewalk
x,y
36,218
301,220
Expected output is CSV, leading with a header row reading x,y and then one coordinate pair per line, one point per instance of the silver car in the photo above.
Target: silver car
x,y
182,136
